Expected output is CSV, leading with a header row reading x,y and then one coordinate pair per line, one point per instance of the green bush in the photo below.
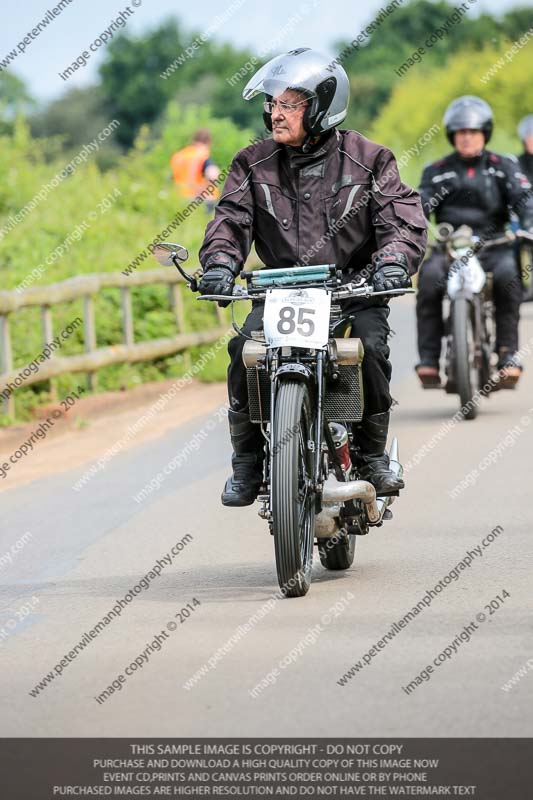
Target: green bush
x,y
141,200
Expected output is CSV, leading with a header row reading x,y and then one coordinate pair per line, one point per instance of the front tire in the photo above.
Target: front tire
x,y
293,501
464,346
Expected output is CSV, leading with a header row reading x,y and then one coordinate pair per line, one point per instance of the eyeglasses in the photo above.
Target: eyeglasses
x,y
285,108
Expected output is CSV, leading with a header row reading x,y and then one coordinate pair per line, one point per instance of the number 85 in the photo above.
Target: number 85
x,y
287,323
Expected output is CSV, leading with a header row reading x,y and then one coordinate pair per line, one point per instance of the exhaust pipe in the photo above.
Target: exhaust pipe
x,y
335,493
394,462
395,465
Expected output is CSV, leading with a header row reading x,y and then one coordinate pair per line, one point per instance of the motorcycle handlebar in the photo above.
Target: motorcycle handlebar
x,y
482,244
343,292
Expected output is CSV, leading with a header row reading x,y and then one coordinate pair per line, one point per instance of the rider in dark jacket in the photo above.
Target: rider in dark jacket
x,y
475,187
525,132
313,195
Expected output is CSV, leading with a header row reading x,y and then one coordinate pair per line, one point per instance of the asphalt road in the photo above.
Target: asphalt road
x,y
87,549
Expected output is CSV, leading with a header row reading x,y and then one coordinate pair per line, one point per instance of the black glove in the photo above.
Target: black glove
x,y
218,277
391,272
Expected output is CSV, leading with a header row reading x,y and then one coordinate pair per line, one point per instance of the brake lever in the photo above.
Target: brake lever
x,y
229,297
366,291
407,290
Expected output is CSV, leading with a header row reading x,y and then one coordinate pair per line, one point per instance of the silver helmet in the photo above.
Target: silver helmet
x,y
471,112
319,77
525,127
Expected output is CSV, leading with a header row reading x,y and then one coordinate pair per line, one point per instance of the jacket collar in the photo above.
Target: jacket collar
x,y
471,161
327,143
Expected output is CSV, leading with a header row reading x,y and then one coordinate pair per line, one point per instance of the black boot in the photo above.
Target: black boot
x,y
370,457
247,461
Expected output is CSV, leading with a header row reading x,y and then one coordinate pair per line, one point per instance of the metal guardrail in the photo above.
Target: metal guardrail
x,y
94,358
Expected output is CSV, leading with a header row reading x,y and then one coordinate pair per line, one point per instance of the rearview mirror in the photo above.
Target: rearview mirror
x,y
166,252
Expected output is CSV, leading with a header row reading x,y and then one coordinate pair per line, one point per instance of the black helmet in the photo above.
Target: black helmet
x,y
468,112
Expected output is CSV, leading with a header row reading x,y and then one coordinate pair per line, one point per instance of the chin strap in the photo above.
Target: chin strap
x,y
310,141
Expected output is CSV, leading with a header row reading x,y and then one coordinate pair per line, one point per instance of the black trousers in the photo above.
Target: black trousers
x,y
370,325
507,293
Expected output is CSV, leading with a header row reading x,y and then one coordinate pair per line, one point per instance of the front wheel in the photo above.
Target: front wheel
x,y
293,500
464,348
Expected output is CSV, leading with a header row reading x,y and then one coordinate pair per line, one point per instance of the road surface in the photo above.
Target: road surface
x,y
72,555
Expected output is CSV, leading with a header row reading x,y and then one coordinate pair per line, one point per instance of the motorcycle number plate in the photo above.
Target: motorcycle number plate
x,y
297,317
467,274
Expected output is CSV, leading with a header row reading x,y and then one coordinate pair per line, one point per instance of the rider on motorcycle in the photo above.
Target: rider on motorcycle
x,y
525,132
313,194
476,187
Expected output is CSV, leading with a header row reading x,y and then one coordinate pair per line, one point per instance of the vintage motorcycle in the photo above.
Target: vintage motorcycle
x,y
305,392
469,321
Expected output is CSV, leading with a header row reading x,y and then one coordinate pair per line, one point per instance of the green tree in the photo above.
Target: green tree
x,y
372,67
516,22
141,74
74,119
14,99
134,93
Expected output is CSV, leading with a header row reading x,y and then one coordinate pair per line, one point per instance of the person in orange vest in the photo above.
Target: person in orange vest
x,y
193,169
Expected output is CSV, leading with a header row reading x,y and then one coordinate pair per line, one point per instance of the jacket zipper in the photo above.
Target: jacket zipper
x,y
297,216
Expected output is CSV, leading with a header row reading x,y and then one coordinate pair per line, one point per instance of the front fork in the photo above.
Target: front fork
x,y
317,387
480,336
319,423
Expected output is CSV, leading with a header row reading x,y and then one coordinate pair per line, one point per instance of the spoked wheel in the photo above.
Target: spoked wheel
x,y
337,552
464,344
293,501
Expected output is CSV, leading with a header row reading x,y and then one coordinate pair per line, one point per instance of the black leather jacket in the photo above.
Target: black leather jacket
x,y
479,192
526,164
